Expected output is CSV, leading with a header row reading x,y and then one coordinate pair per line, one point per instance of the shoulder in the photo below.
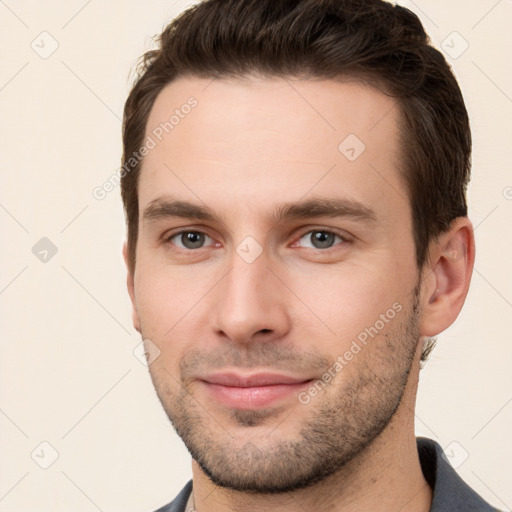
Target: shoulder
x,y
450,492
179,503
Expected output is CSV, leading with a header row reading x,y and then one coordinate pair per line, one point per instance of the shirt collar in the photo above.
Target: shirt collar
x,y
449,492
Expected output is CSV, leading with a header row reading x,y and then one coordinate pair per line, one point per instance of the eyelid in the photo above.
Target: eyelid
x,y
167,236
343,235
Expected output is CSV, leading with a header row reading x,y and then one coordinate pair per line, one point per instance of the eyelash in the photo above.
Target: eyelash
x,y
168,238
344,239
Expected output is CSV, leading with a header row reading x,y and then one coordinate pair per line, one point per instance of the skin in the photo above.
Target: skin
x,y
249,146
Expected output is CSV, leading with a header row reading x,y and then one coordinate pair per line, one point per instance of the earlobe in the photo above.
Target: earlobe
x,y
130,283
447,277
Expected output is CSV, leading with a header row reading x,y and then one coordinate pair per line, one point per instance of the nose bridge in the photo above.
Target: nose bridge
x,y
250,300
247,279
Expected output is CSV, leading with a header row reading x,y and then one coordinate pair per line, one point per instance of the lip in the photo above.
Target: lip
x,y
252,391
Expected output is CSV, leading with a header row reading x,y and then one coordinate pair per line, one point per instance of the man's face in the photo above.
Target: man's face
x,y
286,334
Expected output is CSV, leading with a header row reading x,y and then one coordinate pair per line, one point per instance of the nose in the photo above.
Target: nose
x,y
251,302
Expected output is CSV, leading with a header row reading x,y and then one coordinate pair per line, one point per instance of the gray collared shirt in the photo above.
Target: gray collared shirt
x,y
450,492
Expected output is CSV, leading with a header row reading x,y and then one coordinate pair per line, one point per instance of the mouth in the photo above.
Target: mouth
x,y
252,391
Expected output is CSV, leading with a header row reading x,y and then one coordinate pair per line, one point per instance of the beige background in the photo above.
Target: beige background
x,y
68,373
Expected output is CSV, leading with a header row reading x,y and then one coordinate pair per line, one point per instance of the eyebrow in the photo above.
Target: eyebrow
x,y
165,207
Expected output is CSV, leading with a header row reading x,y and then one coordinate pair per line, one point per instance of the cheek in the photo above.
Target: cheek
x,y
166,299
351,299
166,306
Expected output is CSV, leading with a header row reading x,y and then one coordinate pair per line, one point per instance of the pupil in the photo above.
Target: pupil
x,y
192,239
321,239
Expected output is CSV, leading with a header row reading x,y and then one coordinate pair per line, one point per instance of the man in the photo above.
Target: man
x,y
294,178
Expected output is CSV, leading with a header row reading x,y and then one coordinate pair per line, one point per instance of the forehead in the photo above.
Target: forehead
x,y
259,140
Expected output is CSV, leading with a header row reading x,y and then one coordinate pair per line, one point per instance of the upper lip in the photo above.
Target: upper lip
x,y
247,381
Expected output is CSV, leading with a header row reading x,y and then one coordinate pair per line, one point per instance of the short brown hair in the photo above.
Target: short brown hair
x,y
373,40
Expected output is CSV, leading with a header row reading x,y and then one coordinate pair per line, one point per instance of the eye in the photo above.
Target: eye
x,y
319,239
188,239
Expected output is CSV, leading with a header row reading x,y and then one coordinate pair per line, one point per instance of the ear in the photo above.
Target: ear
x,y
447,276
131,288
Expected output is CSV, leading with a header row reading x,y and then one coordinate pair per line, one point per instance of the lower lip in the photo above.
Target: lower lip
x,y
253,397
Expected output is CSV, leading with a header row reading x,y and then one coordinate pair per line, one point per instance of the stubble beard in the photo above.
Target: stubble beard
x,y
339,423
